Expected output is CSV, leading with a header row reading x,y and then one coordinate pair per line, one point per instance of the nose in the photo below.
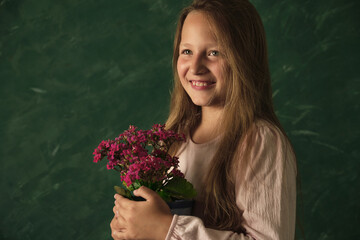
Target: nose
x,y
197,65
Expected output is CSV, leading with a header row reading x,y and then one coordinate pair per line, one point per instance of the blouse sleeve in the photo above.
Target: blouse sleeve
x,y
268,200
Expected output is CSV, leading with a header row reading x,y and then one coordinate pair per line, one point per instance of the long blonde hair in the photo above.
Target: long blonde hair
x,y
240,33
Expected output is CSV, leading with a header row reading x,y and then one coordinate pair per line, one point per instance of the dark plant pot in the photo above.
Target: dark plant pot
x,y
181,207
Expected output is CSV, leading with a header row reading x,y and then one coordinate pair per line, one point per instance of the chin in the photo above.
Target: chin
x,y
208,102
201,102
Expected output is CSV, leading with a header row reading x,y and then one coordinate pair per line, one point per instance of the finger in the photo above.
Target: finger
x,y
113,235
118,216
118,196
145,192
120,223
116,212
119,210
120,201
116,226
117,235
114,229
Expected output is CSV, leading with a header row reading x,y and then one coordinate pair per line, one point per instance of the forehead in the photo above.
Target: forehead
x,y
198,26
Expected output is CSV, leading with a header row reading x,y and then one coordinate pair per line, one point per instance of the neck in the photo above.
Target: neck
x,y
211,116
209,127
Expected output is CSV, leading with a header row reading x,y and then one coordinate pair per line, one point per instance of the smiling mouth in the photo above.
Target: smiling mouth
x,y
201,83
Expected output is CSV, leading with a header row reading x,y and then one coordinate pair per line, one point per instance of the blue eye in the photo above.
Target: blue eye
x,y
214,53
186,52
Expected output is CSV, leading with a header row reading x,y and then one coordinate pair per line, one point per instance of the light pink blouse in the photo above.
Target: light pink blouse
x,y
269,201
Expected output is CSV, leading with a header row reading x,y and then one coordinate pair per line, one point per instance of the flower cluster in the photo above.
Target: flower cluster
x,y
141,156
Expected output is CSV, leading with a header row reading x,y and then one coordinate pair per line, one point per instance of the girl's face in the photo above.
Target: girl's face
x,y
201,65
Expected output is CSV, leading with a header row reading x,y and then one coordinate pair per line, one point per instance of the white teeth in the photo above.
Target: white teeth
x,y
199,84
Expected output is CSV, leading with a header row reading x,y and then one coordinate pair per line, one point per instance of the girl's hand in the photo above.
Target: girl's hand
x,y
148,219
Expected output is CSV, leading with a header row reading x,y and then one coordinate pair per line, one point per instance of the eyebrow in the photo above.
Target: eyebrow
x,y
208,45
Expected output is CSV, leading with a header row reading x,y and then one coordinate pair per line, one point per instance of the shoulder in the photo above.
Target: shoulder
x,y
265,136
265,183
266,147
266,130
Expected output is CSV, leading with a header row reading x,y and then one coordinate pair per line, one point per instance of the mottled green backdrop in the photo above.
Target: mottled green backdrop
x,y
74,72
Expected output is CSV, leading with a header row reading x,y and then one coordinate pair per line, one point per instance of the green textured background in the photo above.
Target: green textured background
x,y
74,72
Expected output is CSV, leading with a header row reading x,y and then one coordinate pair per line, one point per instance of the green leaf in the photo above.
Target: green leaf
x,y
136,184
123,191
180,188
165,196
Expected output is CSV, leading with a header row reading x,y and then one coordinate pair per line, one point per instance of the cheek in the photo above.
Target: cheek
x,y
181,72
181,68
222,72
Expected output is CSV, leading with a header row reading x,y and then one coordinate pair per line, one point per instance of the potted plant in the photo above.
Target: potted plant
x,y
142,158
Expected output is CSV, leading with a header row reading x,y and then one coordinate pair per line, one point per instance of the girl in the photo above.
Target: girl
x,y
237,155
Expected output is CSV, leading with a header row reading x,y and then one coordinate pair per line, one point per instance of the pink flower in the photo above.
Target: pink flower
x,y
177,173
97,157
140,155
